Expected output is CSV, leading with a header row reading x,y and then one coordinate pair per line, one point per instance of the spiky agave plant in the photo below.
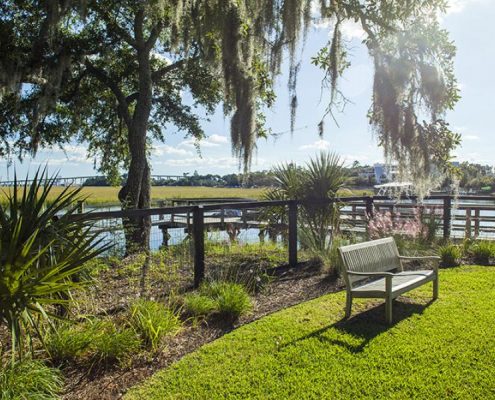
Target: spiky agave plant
x,y
43,246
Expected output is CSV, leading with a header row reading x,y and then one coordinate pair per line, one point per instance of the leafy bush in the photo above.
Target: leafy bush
x,y
450,255
197,305
152,321
111,344
231,299
42,254
29,379
482,251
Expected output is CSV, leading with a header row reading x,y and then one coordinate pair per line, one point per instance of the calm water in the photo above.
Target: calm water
x,y
112,229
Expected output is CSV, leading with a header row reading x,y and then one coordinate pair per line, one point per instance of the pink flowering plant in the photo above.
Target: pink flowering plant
x,y
384,224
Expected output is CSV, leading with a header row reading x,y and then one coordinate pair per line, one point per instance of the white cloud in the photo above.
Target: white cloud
x,y
219,139
318,145
210,141
350,29
219,162
68,154
166,149
353,30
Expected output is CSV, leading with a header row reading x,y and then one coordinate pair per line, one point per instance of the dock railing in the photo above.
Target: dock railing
x,y
457,217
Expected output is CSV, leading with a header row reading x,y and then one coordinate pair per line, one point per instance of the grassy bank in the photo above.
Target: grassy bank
x,y
441,350
108,195
99,196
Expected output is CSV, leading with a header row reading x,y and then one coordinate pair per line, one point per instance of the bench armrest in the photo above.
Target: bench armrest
x,y
423,258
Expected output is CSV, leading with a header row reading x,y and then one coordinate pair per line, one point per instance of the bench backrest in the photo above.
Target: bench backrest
x,y
374,256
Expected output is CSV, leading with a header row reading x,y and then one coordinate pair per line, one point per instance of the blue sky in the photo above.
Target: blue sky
x,y
470,23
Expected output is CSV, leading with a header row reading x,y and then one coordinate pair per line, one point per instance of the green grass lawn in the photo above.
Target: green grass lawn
x,y
445,349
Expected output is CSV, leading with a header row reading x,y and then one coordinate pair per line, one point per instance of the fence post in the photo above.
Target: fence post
x,y
80,207
447,216
199,245
292,233
467,232
476,223
369,206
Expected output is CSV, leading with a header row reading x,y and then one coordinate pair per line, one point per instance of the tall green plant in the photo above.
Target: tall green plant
x,y
43,246
315,186
323,177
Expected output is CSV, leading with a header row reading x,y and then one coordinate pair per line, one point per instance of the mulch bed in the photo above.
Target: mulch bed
x,y
291,286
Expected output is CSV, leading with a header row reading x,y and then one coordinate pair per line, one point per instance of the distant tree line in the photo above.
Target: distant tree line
x,y
357,175
253,179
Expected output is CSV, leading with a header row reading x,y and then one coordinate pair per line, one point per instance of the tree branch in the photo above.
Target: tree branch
x,y
103,77
113,25
158,74
155,32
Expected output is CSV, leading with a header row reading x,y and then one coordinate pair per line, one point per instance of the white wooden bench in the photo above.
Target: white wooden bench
x,y
374,270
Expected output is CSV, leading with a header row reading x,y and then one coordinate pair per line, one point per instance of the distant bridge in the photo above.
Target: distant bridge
x,y
80,180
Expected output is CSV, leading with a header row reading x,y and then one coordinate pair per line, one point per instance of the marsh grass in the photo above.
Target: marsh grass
x,y
106,195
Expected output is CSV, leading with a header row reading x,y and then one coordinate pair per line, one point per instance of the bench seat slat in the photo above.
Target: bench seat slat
x,y
401,282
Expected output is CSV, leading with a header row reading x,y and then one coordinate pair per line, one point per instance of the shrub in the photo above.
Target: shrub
x,y
153,321
29,379
42,254
68,342
231,299
197,305
482,252
450,255
111,344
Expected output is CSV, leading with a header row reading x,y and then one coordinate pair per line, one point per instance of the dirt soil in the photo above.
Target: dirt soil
x,y
290,287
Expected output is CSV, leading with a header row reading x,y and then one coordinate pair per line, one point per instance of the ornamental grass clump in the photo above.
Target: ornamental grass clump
x,y
68,342
29,379
450,255
483,251
231,299
196,305
153,321
112,344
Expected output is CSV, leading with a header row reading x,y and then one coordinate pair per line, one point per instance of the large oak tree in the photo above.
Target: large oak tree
x,y
112,73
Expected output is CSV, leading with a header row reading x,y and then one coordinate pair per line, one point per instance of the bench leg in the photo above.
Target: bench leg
x,y
435,288
388,309
348,305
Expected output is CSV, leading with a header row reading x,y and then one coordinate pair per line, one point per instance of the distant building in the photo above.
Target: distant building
x,y
384,173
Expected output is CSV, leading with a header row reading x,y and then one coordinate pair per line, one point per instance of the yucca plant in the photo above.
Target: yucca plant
x,y
315,186
323,178
43,248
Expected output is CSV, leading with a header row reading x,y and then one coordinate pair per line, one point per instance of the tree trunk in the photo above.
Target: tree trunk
x,y
136,192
